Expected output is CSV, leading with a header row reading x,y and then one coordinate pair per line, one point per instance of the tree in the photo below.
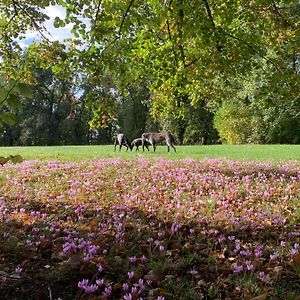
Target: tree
x,y
51,117
262,108
133,112
16,18
188,52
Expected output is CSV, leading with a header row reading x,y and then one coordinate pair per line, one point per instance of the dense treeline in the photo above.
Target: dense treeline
x,y
54,116
208,71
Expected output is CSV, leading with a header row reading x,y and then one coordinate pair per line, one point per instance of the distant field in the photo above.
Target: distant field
x,y
272,153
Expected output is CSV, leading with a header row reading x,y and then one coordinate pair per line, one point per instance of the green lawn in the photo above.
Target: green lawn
x,y
270,153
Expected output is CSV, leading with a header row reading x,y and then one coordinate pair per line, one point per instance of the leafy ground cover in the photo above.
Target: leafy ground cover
x,y
149,229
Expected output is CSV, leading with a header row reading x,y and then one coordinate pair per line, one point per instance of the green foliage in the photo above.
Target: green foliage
x,y
232,122
261,109
10,93
133,112
189,55
50,118
190,52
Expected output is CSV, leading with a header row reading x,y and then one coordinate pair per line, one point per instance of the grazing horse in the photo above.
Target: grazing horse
x,y
138,142
156,137
120,140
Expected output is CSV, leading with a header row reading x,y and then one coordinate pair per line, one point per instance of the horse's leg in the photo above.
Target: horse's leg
x,y
115,144
120,147
170,144
145,145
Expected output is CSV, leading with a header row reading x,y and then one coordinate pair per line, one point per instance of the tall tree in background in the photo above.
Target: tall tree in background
x,y
189,53
133,112
50,117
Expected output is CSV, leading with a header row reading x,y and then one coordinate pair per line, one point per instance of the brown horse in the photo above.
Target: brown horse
x,y
156,137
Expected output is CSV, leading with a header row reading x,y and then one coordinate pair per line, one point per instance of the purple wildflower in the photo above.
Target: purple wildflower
x,y
132,259
88,289
100,268
130,274
249,265
274,256
238,269
143,259
127,297
107,291
91,288
261,275
246,253
282,243
193,271
100,282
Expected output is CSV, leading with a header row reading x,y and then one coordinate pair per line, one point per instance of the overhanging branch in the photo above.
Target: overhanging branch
x,y
253,49
280,15
34,24
98,10
209,13
9,91
120,28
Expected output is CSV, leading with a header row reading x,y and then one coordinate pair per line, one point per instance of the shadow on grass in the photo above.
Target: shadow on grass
x,y
176,261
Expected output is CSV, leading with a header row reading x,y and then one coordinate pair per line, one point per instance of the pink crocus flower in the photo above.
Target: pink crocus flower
x,y
238,269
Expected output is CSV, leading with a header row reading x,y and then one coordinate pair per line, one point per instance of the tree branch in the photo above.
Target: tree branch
x,y
98,10
169,31
120,29
124,16
10,20
180,33
209,13
191,63
281,16
253,49
9,91
210,16
4,28
34,24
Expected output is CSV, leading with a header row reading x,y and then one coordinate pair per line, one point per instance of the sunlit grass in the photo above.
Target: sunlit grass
x,y
271,153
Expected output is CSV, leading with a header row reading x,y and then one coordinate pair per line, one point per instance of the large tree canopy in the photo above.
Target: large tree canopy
x,y
187,53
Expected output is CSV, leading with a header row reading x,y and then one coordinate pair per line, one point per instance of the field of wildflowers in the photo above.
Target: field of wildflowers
x,y
150,229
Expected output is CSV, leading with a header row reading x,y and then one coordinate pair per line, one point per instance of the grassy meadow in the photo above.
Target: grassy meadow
x,y
271,153
207,222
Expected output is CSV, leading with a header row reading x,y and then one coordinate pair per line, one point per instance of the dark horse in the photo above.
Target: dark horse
x,y
156,137
121,140
138,142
